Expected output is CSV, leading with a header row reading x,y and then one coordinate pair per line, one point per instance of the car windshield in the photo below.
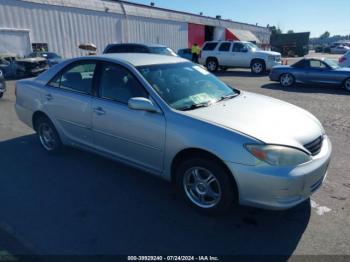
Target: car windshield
x,y
252,46
161,50
186,86
331,63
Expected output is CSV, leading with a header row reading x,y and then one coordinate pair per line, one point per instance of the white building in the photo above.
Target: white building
x,y
61,25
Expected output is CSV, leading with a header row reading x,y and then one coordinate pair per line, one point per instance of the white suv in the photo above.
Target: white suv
x,y
226,54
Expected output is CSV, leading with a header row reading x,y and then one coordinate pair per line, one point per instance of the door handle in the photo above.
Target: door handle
x,y
49,97
99,111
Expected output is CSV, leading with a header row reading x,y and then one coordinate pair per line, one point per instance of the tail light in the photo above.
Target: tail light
x,y
342,59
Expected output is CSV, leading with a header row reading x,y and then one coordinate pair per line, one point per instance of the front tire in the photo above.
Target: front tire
x,y
347,84
287,80
48,136
1,95
258,67
205,184
212,65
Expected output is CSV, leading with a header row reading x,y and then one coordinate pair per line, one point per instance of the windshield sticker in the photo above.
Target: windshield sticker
x,y
201,70
201,98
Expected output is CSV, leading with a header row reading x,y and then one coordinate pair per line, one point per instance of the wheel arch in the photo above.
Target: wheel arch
x,y
36,116
211,58
198,152
257,59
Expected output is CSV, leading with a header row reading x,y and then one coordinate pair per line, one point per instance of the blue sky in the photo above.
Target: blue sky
x,y
316,16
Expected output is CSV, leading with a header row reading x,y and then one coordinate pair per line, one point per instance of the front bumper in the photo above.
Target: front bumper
x,y
281,187
272,63
2,87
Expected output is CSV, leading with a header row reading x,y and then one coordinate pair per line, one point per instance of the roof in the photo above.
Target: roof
x,y
133,9
141,44
138,59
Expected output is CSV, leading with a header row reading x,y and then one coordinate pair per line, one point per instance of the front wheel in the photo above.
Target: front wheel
x,y
1,95
258,67
206,185
287,80
48,136
347,84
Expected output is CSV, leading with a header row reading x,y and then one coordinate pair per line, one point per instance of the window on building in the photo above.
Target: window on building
x,y
40,47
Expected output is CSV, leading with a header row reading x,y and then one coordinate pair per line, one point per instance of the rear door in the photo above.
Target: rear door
x,y
132,135
67,100
224,53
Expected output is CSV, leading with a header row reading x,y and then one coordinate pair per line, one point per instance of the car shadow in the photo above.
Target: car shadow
x,y
80,203
300,88
237,73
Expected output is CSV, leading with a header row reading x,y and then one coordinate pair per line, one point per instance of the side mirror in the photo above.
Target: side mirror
x,y
141,103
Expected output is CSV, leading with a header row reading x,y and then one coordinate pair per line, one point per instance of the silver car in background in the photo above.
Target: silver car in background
x,y
172,118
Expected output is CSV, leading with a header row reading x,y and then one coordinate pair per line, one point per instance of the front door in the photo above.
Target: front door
x,y
132,135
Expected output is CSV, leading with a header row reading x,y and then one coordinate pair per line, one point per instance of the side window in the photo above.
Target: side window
x,y
225,47
238,47
210,46
77,78
317,64
118,84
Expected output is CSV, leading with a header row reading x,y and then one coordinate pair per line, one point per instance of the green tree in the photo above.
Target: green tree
x,y
275,30
290,32
325,35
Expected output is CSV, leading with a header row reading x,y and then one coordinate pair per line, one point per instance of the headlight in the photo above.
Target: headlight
x,y
278,155
271,58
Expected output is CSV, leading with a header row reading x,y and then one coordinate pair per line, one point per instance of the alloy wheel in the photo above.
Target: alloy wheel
x,y
47,136
202,187
347,84
257,68
286,80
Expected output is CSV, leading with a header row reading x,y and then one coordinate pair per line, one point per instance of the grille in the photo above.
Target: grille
x,y
314,147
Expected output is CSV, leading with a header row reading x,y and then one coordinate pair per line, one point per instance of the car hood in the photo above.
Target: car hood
x,y
268,53
267,119
343,69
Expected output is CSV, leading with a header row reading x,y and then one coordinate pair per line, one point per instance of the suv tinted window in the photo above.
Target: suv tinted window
x,y
77,78
126,48
225,47
210,46
238,47
117,83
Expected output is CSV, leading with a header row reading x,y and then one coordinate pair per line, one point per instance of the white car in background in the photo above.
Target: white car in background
x,y
344,61
237,54
339,49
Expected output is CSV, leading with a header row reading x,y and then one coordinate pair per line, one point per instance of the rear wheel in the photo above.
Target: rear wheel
x,y
287,80
347,84
212,65
1,95
206,186
48,136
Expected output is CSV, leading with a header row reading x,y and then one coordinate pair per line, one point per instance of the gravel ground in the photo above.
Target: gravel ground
x,y
79,203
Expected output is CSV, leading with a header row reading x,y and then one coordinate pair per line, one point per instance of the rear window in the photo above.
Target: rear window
x,y
127,48
210,46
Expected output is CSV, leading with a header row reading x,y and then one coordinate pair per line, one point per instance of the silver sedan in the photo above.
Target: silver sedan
x,y
220,146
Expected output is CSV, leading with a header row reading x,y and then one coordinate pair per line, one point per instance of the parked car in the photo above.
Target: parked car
x,y
51,57
339,49
312,71
174,119
185,53
238,54
139,48
2,84
344,61
12,66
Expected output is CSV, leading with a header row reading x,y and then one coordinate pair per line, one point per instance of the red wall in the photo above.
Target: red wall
x,y
196,34
230,36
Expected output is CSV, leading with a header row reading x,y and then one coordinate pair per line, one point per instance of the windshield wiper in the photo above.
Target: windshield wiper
x,y
195,106
227,97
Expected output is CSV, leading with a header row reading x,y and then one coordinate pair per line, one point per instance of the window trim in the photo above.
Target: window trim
x,y
70,66
98,74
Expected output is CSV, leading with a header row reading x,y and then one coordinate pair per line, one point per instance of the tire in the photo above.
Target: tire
x,y
1,95
347,84
287,80
212,65
215,197
47,135
258,67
